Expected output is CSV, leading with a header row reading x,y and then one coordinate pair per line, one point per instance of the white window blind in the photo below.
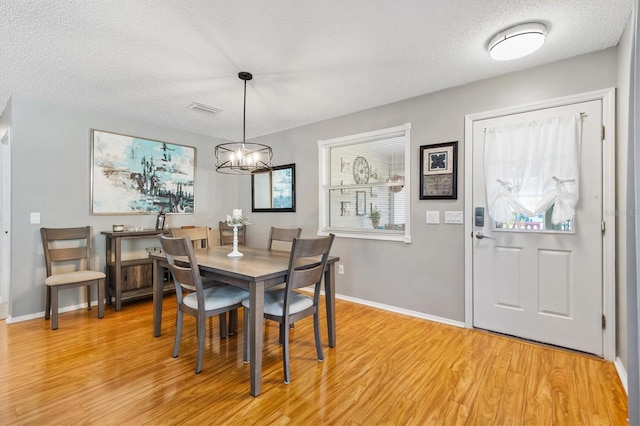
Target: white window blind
x,y
365,185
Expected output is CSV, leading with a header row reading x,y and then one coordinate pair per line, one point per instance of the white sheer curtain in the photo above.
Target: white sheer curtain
x,y
531,166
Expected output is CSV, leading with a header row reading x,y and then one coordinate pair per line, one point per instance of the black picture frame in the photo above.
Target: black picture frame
x,y
438,171
274,190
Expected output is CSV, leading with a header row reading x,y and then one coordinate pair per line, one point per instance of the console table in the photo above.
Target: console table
x,y
137,272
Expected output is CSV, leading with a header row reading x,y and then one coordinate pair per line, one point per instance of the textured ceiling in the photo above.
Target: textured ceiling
x,y
311,60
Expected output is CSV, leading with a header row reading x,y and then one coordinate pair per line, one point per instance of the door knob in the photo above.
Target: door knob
x,y
480,236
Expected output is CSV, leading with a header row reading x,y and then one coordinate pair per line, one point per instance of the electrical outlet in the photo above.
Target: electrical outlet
x,y
340,269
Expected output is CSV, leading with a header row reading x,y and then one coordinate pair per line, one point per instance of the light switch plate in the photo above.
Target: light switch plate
x,y
433,216
35,218
453,217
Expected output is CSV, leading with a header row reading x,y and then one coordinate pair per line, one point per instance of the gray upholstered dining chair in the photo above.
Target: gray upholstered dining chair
x,y
66,248
192,298
282,238
307,262
199,236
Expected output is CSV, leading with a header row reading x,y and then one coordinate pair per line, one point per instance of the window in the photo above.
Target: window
x,y
364,185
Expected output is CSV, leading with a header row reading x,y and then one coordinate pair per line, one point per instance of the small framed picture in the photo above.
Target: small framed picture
x,y
345,208
438,171
361,203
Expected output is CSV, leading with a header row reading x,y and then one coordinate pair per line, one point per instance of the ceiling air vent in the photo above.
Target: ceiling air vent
x,y
204,108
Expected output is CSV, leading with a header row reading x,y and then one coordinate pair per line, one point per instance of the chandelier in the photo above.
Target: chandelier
x,y
240,158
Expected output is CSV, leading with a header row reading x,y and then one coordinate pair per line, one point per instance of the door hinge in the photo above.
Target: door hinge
x,y
603,226
602,133
604,322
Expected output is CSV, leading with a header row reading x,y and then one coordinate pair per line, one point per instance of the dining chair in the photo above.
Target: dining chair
x,y
200,239
192,298
226,234
307,262
282,237
199,235
67,254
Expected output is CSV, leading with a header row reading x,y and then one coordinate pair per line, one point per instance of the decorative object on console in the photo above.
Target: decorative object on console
x,y
245,157
160,220
236,220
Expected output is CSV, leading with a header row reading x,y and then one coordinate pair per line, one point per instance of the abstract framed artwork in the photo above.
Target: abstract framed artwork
x,y
438,171
133,175
274,190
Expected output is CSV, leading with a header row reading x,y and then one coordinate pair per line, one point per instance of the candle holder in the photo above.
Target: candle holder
x,y
235,252
236,221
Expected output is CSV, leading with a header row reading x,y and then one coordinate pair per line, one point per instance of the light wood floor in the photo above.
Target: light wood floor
x,y
387,369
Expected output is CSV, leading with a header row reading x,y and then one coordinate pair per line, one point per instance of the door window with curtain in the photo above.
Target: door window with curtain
x,y
532,173
364,185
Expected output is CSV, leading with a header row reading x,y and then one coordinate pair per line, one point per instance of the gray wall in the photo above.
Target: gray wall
x,y
51,175
426,276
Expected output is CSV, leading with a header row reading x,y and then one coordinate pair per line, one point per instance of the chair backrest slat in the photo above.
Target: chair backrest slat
x,y
283,237
66,244
307,262
186,274
199,235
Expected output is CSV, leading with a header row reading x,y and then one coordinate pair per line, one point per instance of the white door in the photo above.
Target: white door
x,y
543,284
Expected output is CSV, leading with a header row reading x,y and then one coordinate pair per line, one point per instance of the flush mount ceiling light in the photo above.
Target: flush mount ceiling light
x,y
517,41
241,158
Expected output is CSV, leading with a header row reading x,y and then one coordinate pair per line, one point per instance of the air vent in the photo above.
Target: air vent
x,y
204,108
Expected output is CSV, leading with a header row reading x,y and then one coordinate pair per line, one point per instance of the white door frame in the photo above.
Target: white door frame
x,y
607,96
5,225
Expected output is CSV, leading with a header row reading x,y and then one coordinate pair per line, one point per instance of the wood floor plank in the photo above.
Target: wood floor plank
x,y
387,369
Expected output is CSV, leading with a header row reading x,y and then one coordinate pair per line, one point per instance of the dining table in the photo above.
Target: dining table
x,y
257,270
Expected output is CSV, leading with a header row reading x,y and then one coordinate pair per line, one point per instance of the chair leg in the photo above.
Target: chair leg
x,y
316,331
245,351
47,304
100,298
233,322
285,353
223,325
176,344
200,328
88,287
54,308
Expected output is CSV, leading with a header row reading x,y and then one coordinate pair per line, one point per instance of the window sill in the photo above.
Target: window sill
x,y
367,235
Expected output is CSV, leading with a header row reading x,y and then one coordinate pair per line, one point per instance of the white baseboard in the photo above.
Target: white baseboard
x,y
622,373
83,305
401,310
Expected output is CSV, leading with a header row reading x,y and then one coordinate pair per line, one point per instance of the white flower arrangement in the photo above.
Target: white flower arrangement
x,y
237,218
241,220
